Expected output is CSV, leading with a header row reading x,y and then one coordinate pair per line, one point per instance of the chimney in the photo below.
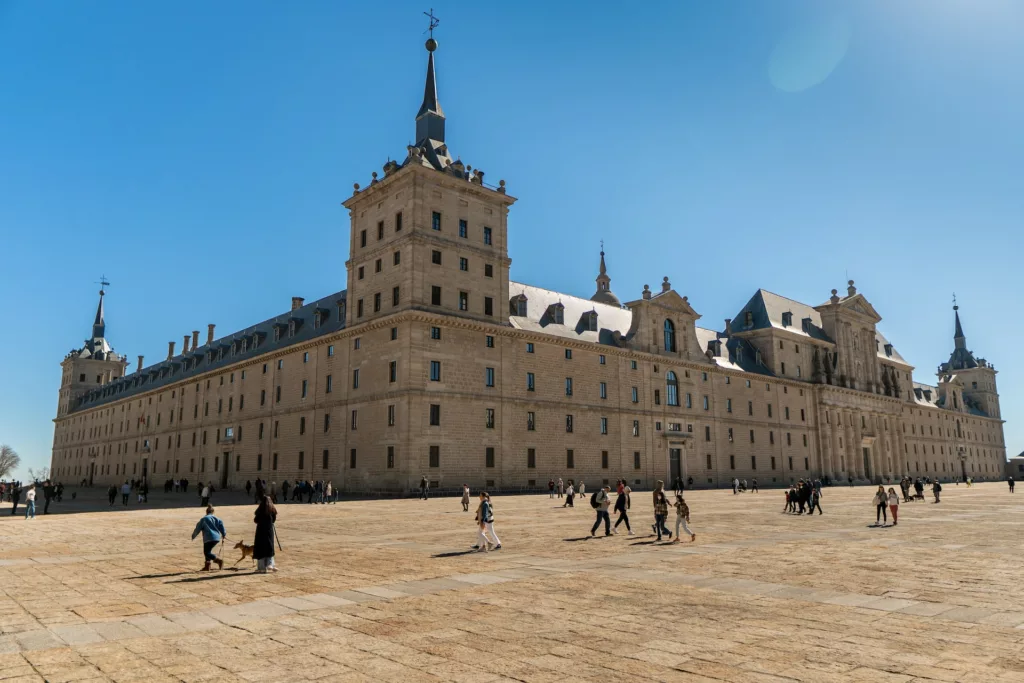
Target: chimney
x,y
184,345
195,339
728,327
665,284
297,302
170,350
139,369
209,333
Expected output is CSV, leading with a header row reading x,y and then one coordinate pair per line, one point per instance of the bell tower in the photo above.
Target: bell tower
x,y
91,366
977,375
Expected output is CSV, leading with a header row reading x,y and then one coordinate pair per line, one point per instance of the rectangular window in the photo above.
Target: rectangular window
x,y
489,457
604,390
398,222
707,433
568,354
274,463
393,371
259,462
529,347
355,378
463,264
362,238
380,230
802,416
305,386
604,425
636,460
435,414
435,296
394,333
490,342
636,427
327,422
732,462
435,332
359,308
489,418
260,435
488,305
570,459
769,410
391,457
632,365
435,220
529,381
487,235
531,422
708,464
787,412
568,386
325,459
604,460
391,415
689,401
635,396
751,436
396,295
531,458
488,270
277,424
435,257
463,228
302,425
352,459
568,423
750,407
489,377
753,462
376,302
355,420
435,371
728,405
463,301
707,404
435,456
329,385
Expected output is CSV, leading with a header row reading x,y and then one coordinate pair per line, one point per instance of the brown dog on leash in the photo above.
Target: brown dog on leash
x,y
246,551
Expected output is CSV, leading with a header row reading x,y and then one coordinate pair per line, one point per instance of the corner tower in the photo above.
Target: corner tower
x,y
977,375
430,234
91,366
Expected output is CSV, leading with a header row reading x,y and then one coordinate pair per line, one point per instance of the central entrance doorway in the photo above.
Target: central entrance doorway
x,y
675,465
867,462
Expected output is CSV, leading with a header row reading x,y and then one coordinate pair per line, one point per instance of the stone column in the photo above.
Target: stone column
x,y
824,452
881,451
834,435
897,429
858,438
849,450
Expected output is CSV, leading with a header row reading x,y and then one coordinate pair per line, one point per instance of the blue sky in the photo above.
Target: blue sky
x,y
197,154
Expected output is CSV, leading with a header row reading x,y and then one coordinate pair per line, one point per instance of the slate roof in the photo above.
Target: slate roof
x,y
176,369
737,354
767,309
613,322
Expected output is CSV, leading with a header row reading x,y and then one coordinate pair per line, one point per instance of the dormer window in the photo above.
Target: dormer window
x,y
556,312
341,311
316,320
245,344
220,353
748,319
590,320
888,349
277,333
291,327
517,305
787,319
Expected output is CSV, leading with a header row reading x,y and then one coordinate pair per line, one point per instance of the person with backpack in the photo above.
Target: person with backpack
x,y
621,506
600,500
936,489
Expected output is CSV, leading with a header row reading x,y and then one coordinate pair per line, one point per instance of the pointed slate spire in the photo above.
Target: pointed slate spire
x,y
98,325
958,335
430,117
604,285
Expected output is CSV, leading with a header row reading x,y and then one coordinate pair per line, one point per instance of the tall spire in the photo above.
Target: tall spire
x,y
604,285
98,325
958,335
430,117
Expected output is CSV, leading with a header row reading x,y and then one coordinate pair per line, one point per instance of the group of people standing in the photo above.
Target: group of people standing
x,y
804,496
315,491
12,492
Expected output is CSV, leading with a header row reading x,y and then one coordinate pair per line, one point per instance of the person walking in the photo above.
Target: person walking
x,y
423,487
126,490
212,529
581,489
1009,480
735,486
601,502
881,501
683,518
112,494
48,495
661,511
248,487
677,485
569,495
485,523
205,495
936,489
465,497
622,507
815,501
894,505
753,487
263,543
15,496
30,502
561,488
551,488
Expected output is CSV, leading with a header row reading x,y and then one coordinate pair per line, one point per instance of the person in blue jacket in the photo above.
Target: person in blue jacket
x,y
213,531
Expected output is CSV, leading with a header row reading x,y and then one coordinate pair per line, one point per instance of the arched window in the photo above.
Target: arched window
x,y
670,336
673,387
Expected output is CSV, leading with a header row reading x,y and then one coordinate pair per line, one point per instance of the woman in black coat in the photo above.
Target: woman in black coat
x,y
263,544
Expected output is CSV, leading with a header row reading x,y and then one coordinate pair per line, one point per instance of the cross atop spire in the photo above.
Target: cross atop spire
x,y
98,324
958,334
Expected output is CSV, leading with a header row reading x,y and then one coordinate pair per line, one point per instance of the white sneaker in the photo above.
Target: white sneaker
x,y
614,531
631,533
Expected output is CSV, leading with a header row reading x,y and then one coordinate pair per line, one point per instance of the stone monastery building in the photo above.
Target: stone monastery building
x,y
433,362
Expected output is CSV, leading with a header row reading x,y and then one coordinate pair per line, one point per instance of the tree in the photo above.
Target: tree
x,y
9,461
41,474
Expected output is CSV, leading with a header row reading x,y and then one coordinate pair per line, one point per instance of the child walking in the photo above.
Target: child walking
x,y
212,529
683,518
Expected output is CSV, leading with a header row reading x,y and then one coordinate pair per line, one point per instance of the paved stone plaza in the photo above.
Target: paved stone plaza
x,y
383,590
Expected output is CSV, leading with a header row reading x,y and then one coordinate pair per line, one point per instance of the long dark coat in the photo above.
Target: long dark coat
x,y
263,544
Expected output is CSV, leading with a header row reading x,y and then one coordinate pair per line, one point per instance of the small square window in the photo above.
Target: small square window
x,y
435,220
397,257
463,228
487,236
394,333
490,342
632,365
488,270
435,332
435,257
529,347
463,301
568,354
463,264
